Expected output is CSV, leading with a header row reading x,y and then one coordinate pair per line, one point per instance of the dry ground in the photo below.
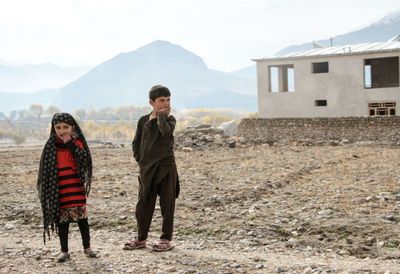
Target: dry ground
x,y
255,209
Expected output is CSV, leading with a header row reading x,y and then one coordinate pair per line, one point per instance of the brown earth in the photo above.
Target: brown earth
x,y
255,209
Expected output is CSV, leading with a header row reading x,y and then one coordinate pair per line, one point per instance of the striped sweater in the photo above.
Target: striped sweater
x,y
71,189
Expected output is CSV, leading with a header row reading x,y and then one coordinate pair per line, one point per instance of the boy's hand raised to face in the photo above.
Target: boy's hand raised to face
x,y
165,111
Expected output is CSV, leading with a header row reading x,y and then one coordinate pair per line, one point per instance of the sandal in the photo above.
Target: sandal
x,y
162,245
90,253
134,244
63,257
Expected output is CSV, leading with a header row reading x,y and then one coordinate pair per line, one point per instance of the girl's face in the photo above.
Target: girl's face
x,y
63,130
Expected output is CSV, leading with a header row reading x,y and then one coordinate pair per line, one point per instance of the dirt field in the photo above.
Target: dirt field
x,y
259,209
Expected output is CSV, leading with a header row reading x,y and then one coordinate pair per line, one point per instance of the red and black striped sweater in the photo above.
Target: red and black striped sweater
x,y
71,189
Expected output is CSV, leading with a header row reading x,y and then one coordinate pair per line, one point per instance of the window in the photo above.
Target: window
x,y
290,72
381,72
321,103
367,76
321,67
274,79
382,108
281,78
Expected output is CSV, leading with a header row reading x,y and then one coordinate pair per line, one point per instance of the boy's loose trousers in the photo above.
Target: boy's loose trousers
x,y
166,189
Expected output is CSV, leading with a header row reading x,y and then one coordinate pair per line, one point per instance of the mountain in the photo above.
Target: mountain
x,y
30,78
16,101
126,79
247,72
381,30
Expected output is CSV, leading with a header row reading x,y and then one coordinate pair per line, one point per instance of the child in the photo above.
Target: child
x,y
64,180
153,150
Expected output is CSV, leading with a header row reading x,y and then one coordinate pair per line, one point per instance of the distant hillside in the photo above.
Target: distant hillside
x,y
126,79
248,72
30,78
381,30
16,101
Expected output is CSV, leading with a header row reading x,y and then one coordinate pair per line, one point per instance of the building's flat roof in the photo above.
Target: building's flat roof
x,y
354,49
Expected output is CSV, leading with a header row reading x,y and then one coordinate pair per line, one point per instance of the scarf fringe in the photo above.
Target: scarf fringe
x,y
46,230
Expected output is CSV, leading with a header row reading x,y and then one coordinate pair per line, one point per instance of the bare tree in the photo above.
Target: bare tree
x,y
52,110
13,114
23,114
80,113
37,110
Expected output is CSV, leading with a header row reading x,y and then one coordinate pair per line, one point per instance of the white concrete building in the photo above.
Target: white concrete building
x,y
340,81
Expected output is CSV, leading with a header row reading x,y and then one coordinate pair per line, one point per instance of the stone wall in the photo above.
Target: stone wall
x,y
369,130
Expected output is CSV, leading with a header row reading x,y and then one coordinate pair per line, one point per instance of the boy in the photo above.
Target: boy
x,y
153,150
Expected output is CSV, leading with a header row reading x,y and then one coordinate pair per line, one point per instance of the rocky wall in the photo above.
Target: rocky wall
x,y
368,130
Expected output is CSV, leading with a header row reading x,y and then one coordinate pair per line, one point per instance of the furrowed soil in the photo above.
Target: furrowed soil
x,y
254,209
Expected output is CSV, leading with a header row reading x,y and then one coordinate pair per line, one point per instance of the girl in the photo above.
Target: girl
x,y
64,180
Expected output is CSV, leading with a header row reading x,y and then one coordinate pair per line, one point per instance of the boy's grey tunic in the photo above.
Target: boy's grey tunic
x,y
153,150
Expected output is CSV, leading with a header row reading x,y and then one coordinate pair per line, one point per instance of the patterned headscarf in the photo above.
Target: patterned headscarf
x,y
47,182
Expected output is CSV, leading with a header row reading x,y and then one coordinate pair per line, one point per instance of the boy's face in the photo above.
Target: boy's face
x,y
63,130
160,103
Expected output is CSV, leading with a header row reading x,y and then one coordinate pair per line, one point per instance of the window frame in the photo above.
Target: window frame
x,y
319,67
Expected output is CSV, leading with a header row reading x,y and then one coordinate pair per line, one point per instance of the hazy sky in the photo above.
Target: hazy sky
x,y
225,33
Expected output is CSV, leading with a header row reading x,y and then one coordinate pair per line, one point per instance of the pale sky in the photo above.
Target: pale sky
x,y
225,33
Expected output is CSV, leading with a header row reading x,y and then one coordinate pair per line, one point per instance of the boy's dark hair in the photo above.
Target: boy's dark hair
x,y
158,91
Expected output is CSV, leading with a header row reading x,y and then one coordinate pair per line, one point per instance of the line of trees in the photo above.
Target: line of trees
x,y
37,112
106,124
124,113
